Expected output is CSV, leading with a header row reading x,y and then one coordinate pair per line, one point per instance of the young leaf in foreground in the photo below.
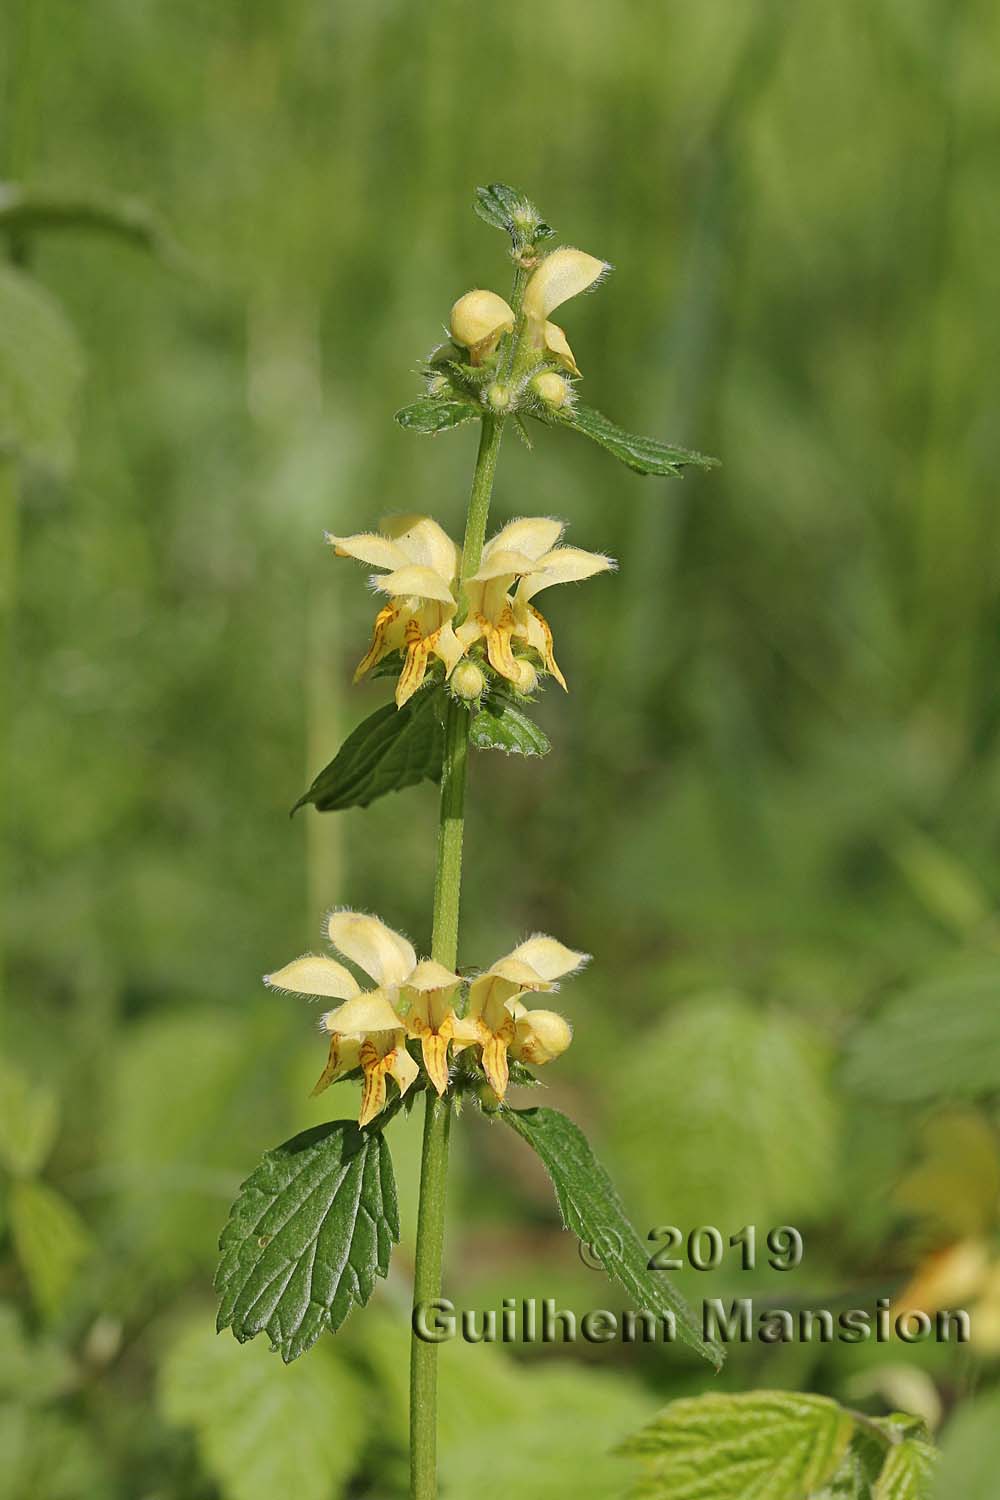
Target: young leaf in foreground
x,y
777,1444
311,1229
502,725
393,748
591,1208
908,1472
433,414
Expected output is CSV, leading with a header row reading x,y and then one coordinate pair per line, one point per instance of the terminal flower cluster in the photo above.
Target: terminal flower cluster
x,y
424,1003
481,318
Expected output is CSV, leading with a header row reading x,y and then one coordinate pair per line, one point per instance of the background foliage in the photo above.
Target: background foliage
x,y
769,809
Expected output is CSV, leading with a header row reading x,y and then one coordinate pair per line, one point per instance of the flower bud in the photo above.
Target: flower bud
x,y
541,1036
438,385
553,389
477,321
499,396
527,677
488,1099
467,681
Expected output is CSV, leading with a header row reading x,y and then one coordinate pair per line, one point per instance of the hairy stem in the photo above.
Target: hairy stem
x,y
444,948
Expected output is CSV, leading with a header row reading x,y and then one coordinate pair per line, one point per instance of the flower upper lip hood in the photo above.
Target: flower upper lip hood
x,y
563,274
422,577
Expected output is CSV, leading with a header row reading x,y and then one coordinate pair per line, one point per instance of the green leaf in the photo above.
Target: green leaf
x,y
591,1208
774,1444
970,1450
505,208
261,1430
859,1470
167,1163
29,1119
48,1456
31,1372
25,210
742,1151
641,454
311,1229
907,1472
941,1037
500,724
394,748
432,414
40,370
51,1241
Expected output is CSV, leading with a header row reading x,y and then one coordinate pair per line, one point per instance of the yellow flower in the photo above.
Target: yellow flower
x,y
430,1016
480,318
524,550
563,274
499,1023
421,581
368,1029
477,322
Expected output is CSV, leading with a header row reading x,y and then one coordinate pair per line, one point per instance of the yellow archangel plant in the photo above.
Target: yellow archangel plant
x,y
314,1225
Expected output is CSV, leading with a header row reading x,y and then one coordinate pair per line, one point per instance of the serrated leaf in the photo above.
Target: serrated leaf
x,y
641,454
907,1472
40,370
773,1444
263,1430
312,1228
858,1470
940,1038
591,1208
392,749
505,208
501,725
51,1240
432,414
29,1119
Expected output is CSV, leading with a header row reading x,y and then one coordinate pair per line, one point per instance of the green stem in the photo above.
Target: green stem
x,y
8,599
444,948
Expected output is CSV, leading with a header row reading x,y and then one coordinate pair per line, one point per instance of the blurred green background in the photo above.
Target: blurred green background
x,y
770,807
